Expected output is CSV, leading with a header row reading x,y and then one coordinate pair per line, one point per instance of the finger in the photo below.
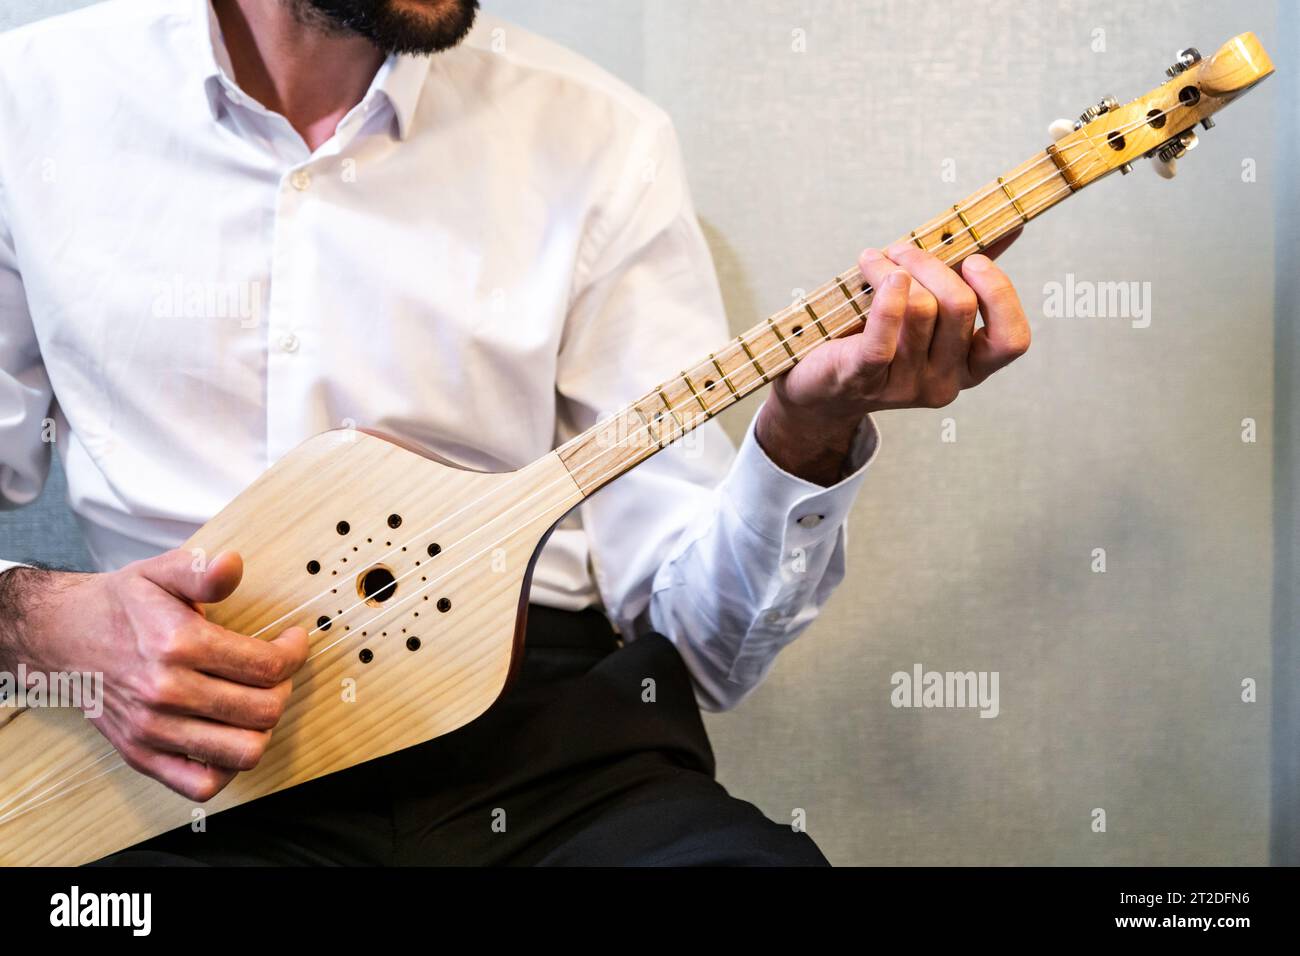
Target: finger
x,y
175,572
891,285
217,745
247,660
918,327
958,306
194,694
191,779
1005,335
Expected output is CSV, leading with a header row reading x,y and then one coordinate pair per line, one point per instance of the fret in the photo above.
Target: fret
x,y
919,244
968,227
848,297
691,385
1015,203
818,322
777,329
723,373
753,361
1063,167
657,438
668,406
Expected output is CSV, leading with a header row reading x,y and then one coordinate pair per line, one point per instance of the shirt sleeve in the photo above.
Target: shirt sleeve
x,y
721,551
25,392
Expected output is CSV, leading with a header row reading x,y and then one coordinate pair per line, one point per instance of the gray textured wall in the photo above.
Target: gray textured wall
x,y
1119,690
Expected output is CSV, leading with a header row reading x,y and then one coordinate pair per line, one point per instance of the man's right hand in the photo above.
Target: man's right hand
x,y
186,701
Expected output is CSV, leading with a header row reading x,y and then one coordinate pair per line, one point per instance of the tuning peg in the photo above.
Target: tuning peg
x,y
1185,60
1166,157
1060,128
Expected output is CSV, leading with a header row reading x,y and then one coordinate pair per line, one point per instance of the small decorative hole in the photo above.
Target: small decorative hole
x,y
313,567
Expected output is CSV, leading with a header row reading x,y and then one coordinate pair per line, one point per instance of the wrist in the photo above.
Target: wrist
x,y
809,446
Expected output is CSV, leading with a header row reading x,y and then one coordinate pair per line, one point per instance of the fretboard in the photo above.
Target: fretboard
x,y
836,309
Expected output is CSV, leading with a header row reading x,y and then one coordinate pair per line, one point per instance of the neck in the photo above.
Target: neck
x,y
308,74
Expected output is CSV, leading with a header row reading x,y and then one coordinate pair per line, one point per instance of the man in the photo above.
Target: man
x,y
226,227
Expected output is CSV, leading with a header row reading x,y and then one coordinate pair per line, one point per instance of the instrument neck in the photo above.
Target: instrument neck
x,y
835,309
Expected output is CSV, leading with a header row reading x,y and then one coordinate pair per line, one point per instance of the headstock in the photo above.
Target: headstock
x,y
1160,125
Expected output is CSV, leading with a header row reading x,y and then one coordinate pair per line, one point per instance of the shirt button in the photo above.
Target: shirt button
x,y
289,342
300,180
774,617
811,521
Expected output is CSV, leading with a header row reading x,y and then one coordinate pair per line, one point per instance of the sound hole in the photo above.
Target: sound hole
x,y
1156,119
377,585
1189,96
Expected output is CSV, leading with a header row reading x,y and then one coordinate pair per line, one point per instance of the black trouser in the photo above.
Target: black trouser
x,y
572,766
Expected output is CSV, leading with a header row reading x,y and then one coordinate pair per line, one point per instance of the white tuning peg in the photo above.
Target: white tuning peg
x,y
1060,128
1165,168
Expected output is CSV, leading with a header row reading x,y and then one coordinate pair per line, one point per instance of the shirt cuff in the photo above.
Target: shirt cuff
x,y
787,509
6,565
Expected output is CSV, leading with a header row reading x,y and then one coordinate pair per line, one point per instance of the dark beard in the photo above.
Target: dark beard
x,y
391,29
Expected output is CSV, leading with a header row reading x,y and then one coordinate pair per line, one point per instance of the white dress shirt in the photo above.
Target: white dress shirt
x,y
496,248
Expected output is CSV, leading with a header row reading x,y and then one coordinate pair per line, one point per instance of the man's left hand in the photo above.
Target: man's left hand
x,y
918,349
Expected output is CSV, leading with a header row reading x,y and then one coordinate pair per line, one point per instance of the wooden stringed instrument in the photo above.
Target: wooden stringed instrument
x,y
412,577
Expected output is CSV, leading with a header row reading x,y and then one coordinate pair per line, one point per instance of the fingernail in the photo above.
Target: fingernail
x,y
897,280
976,263
872,254
897,249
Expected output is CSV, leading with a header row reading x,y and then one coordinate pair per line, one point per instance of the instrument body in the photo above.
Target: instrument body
x,y
348,706
428,651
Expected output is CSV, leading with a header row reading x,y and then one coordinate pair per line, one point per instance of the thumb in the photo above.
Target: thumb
x,y
294,642
186,574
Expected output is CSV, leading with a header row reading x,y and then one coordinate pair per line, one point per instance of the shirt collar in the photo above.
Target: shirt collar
x,y
401,77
